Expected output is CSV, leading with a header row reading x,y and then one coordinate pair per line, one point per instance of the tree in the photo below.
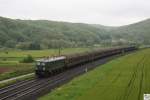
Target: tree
x,y
10,44
34,46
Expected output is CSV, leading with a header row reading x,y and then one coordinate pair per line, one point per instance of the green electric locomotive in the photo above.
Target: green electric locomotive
x,y
49,66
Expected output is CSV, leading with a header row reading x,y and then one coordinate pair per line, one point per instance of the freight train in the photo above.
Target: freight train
x,y
50,66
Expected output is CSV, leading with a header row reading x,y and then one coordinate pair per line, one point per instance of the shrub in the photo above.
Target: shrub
x,y
28,59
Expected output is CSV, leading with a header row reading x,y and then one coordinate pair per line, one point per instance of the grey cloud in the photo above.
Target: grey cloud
x,y
107,12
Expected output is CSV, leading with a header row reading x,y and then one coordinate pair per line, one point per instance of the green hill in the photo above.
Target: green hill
x,y
29,34
43,34
137,32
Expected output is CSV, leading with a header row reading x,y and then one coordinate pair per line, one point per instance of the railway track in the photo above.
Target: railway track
x,y
32,89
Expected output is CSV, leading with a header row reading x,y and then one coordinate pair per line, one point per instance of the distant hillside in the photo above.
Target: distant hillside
x,y
137,32
30,34
43,34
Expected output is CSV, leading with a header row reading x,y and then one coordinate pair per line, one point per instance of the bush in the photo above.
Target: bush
x,y
28,59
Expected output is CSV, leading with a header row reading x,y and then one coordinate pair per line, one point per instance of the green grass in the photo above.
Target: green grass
x,y
125,78
17,70
39,53
14,56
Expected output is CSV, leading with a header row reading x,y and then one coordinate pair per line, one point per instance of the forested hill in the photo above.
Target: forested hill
x,y
137,32
31,34
43,34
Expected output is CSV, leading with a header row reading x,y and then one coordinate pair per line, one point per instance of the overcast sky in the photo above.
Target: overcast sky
x,y
105,12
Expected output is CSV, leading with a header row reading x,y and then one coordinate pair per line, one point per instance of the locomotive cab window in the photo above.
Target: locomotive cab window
x,y
38,63
43,63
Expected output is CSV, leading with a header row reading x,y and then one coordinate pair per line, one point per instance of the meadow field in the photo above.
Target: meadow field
x,y
10,65
124,78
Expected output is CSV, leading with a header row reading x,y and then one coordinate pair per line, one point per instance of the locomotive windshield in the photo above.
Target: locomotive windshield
x,y
40,63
